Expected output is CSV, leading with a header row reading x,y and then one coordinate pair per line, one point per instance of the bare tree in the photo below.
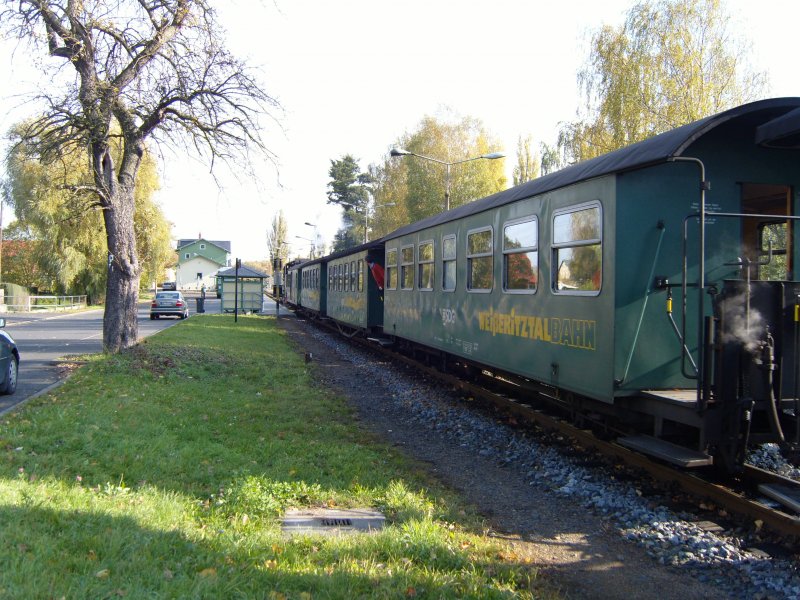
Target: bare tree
x,y
144,70
276,237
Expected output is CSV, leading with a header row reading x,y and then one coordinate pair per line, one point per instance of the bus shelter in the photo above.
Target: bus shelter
x,y
245,291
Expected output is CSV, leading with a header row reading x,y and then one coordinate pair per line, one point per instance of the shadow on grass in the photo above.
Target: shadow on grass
x,y
52,554
240,435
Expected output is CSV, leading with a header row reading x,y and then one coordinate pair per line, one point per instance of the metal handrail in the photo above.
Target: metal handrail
x,y
36,303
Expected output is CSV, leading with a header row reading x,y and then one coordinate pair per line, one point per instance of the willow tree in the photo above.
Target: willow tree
x,y
155,70
671,63
55,211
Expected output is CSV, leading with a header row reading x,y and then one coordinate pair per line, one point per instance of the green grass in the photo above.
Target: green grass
x,y
162,473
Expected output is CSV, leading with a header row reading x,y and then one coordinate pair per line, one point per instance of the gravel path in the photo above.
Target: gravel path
x,y
591,536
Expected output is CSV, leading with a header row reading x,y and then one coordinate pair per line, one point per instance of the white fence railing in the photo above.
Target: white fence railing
x,y
44,303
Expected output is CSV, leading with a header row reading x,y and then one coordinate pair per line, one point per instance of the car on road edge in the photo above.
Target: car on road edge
x,y
9,361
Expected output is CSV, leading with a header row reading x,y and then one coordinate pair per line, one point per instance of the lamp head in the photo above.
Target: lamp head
x,y
493,155
399,152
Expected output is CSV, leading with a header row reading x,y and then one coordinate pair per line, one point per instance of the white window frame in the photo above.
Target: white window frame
x,y
471,257
555,247
446,261
523,250
407,265
390,266
430,262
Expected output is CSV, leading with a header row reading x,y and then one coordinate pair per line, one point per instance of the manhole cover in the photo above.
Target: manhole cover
x,y
331,521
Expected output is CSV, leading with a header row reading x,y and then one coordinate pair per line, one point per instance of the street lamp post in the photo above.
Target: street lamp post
x,y
313,243
311,249
366,217
366,214
447,165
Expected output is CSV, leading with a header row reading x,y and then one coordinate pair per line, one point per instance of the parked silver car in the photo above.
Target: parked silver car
x,y
169,304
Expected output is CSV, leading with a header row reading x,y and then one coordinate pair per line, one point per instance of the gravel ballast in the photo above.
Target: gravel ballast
x,y
593,534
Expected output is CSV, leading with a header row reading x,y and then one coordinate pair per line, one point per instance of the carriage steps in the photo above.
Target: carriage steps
x,y
672,453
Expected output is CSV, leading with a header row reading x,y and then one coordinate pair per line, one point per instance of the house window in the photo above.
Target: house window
x,y
186,256
520,255
202,246
479,260
407,268
577,250
199,276
449,263
425,265
391,269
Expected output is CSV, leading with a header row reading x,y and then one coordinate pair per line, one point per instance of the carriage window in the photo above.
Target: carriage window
x,y
339,278
360,276
425,260
577,250
407,268
391,269
449,263
773,237
479,260
521,256
353,277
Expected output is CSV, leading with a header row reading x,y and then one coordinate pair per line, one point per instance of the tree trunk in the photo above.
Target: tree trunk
x,y
120,325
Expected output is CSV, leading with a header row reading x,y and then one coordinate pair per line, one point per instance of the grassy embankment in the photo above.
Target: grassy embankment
x,y
162,472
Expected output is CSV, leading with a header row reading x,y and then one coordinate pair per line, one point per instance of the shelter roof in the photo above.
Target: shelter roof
x,y
243,272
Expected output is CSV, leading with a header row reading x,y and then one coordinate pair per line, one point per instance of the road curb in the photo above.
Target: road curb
x,y
41,392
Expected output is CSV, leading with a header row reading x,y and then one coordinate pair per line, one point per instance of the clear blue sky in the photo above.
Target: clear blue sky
x,y
355,75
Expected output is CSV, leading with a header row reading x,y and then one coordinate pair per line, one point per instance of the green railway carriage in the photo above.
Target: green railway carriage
x,y
305,286
313,288
616,279
354,297
292,282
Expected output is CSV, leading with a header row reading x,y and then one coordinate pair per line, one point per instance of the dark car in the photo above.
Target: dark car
x,y
169,304
9,362
169,286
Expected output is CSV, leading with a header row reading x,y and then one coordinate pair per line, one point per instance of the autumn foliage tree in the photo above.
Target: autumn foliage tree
x,y
156,70
59,220
671,63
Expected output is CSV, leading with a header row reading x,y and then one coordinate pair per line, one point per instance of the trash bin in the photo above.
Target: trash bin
x,y
201,305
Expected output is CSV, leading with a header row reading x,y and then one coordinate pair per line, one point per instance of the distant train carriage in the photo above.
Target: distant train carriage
x,y
313,288
291,283
354,282
569,280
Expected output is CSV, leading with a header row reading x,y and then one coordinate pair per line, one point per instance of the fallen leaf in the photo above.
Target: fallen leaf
x,y
209,572
102,574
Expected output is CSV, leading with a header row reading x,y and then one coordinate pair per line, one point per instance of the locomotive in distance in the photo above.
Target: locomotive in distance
x,y
655,287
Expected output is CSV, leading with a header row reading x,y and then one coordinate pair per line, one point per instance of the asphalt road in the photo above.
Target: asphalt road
x,y
46,339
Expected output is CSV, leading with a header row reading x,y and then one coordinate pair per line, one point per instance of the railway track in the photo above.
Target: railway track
x,y
744,497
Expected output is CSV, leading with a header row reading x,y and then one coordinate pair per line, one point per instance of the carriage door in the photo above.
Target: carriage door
x,y
760,234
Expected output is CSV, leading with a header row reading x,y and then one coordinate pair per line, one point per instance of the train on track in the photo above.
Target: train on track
x,y
656,287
